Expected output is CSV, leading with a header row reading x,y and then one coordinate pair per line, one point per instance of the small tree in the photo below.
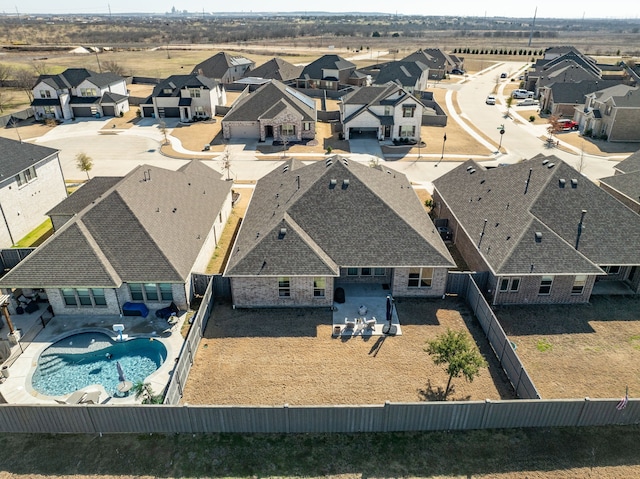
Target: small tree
x,y
113,67
554,127
84,163
457,351
226,162
25,81
145,391
6,71
163,129
509,102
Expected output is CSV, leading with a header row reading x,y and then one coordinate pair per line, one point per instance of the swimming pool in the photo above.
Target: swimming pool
x,y
89,358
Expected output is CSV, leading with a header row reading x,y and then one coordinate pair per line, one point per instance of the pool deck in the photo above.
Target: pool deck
x,y
16,389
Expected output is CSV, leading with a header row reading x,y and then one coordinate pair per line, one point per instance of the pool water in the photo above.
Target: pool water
x,y
91,358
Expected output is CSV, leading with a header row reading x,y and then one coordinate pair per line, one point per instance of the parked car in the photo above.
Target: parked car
x,y
522,94
528,102
457,71
491,100
568,124
503,75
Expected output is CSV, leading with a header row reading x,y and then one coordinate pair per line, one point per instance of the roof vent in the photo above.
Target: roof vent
x,y
538,237
345,161
574,183
328,161
544,162
175,209
472,171
285,168
469,168
345,183
551,165
562,182
283,231
332,182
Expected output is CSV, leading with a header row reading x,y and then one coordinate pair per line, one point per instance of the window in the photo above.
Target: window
x,y
88,92
407,131
352,271
194,92
388,110
89,297
515,285
420,277
612,270
26,176
545,285
408,111
504,285
365,272
328,84
49,110
379,271
306,126
200,111
45,94
319,287
578,284
287,130
151,291
167,91
284,287
509,284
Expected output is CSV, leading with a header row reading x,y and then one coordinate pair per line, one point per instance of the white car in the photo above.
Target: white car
x,y
491,100
528,102
522,94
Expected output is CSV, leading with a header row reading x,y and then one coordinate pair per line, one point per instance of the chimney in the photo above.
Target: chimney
x,y
580,228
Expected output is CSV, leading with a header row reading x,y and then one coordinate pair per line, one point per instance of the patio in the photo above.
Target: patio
x,y
364,302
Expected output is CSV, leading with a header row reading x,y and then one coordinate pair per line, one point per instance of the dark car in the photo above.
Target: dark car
x,y
457,71
503,75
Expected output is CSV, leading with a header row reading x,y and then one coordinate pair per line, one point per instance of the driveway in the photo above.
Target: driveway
x,y
366,146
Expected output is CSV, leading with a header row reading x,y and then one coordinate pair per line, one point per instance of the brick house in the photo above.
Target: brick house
x,y
31,182
224,68
329,72
309,229
625,183
273,111
612,114
542,231
78,92
139,241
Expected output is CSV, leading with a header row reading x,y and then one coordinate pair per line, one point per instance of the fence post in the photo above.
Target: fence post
x,y
587,400
485,413
287,426
385,426
519,379
504,346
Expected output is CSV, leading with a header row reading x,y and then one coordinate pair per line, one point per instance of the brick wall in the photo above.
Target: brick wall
x,y
626,125
263,292
560,292
400,285
60,308
634,205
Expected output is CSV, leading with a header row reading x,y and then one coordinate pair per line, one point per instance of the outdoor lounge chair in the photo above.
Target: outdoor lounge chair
x,y
371,323
92,397
350,323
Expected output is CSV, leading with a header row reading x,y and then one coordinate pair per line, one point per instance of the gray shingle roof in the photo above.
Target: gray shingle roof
x,y
277,69
84,195
139,230
376,220
72,77
18,156
217,65
627,184
405,73
269,98
630,164
331,62
514,211
179,82
574,93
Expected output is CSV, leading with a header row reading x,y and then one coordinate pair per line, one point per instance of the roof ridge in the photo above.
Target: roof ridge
x,y
322,254
109,269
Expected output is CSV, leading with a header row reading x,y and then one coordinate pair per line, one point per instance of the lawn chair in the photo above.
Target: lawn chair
x,y
370,323
92,397
350,323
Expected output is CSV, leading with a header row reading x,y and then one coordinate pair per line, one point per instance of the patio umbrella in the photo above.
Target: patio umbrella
x,y
124,385
389,310
121,376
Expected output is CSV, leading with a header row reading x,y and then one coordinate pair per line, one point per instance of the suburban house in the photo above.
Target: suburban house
x,y
138,241
224,68
31,183
436,61
310,229
277,69
562,99
624,185
274,111
78,92
612,114
541,231
187,97
412,76
381,111
329,72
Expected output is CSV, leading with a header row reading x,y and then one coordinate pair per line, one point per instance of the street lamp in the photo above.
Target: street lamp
x,y
444,140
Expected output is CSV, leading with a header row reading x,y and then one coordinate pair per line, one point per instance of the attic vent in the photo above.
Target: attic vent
x,y
544,162
328,161
472,171
345,161
469,168
562,182
538,237
345,183
175,209
551,165
482,182
333,182
574,183
283,231
285,168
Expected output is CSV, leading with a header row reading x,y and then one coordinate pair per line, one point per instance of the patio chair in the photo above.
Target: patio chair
x,y
350,323
92,397
371,323
76,397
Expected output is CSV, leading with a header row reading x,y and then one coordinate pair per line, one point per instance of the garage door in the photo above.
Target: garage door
x,y
170,112
147,111
357,133
109,110
244,131
82,111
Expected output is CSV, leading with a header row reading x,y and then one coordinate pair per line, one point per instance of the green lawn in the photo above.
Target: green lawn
x,y
37,236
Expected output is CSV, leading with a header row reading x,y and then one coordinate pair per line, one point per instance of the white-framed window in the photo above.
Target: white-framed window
x,y
365,272
328,84
200,110
511,285
319,287
45,94
407,131
545,285
194,92
284,287
579,283
167,91
88,92
420,277
306,126
379,271
84,297
151,291
388,110
49,110
408,111
287,129
352,271
612,270
515,285
26,176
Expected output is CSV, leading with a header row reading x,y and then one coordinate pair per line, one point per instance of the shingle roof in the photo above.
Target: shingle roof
x,y
526,197
150,226
630,164
217,65
574,93
84,195
403,72
373,95
277,69
620,95
268,99
179,82
326,62
627,184
18,156
72,77
375,220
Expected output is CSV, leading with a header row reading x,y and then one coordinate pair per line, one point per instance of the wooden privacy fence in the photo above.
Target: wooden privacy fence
x,y
389,417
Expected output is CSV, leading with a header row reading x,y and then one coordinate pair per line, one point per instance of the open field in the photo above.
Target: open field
x,y
560,453
573,351
288,355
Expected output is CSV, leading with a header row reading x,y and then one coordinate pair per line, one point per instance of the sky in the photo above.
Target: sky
x,y
629,9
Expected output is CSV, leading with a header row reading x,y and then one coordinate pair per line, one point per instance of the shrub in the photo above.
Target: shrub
x,y
532,118
121,114
329,149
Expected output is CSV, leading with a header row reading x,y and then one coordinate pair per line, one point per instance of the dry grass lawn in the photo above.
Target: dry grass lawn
x,y
277,356
573,351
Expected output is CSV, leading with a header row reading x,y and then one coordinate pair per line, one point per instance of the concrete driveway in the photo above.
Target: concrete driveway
x,y
366,146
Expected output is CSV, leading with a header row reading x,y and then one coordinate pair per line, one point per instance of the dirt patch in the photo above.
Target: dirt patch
x,y
123,122
277,356
25,130
573,351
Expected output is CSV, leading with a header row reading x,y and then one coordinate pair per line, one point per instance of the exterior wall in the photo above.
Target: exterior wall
x,y
179,297
399,120
59,220
288,116
261,292
560,291
625,125
65,104
400,288
56,301
227,127
25,207
211,241
365,120
43,86
370,279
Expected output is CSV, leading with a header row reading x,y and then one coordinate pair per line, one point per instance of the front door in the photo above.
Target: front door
x,y
387,131
268,131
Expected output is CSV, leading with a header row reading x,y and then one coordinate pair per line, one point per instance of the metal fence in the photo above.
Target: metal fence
x,y
16,116
389,417
10,257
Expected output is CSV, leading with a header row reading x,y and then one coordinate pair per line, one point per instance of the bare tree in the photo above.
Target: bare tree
x,y
40,67
84,163
25,81
554,128
6,72
113,67
226,162
3,100
163,129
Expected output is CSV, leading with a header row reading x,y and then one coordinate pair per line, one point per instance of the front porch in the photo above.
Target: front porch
x,y
364,302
